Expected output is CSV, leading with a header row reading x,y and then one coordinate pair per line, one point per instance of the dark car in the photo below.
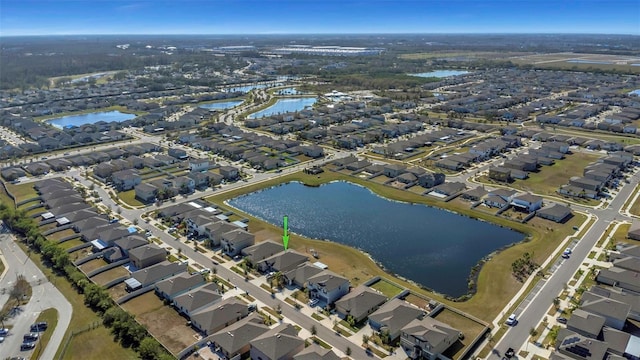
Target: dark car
x,y
27,346
509,353
39,326
31,337
562,320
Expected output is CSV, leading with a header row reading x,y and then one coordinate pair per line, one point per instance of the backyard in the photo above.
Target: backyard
x,y
162,321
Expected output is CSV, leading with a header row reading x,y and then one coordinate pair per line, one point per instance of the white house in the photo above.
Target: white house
x,y
327,287
527,202
197,165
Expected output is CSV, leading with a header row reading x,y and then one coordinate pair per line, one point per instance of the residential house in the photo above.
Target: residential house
x,y
217,316
393,316
130,242
327,287
147,255
430,179
234,340
427,338
527,202
124,180
262,250
585,323
633,299
576,346
216,229
154,273
620,278
585,183
360,303
475,194
177,285
393,170
313,151
499,198
614,312
279,343
301,274
229,172
12,173
316,352
146,192
235,240
197,299
449,188
500,173
558,213
178,153
197,165
283,261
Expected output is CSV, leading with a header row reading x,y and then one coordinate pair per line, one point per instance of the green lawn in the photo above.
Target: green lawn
x,y
387,288
22,191
129,197
50,316
550,178
97,340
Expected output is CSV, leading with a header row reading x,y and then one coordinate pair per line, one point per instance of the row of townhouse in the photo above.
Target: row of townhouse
x,y
598,176
407,175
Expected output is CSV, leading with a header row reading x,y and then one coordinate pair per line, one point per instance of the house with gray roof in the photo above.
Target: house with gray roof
x,y
147,255
235,240
279,343
124,180
130,242
301,274
215,317
394,316
527,202
427,338
585,323
150,275
556,212
622,278
620,295
327,287
316,352
577,346
262,250
614,312
146,192
282,261
177,285
234,340
214,230
449,188
360,303
197,299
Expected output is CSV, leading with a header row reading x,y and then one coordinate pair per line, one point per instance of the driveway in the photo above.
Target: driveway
x,y
44,296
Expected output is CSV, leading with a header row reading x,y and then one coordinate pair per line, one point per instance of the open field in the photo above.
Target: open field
x,y
97,340
495,283
550,178
162,321
583,62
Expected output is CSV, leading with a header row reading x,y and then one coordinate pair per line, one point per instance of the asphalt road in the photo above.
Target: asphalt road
x,y
44,296
517,336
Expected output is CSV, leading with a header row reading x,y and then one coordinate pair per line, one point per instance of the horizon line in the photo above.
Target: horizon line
x,y
318,33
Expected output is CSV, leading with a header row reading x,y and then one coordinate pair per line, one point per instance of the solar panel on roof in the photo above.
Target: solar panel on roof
x,y
571,340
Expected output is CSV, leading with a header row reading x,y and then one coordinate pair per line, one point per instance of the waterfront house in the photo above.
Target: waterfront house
x,y
556,212
262,250
301,274
235,240
527,202
393,316
229,172
427,338
360,303
327,287
282,261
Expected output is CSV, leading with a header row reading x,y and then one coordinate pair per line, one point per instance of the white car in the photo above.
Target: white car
x,y
511,321
313,302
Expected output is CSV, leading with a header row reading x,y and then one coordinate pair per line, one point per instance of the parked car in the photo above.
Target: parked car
x,y
512,321
27,346
565,256
39,326
313,302
510,353
562,320
567,251
31,336
4,332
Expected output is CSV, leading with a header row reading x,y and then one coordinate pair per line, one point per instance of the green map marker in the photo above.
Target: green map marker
x,y
285,236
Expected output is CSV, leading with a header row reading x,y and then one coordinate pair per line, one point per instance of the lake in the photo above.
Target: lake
x,y
283,106
441,73
432,247
90,118
221,105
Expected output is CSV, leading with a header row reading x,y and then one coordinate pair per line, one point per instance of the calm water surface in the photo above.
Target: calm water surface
x,y
90,118
432,247
221,105
283,106
441,73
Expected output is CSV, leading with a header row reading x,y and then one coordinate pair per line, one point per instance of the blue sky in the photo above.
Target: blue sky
x,y
57,17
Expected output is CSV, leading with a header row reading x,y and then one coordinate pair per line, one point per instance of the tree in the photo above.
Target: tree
x,y
365,340
149,348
